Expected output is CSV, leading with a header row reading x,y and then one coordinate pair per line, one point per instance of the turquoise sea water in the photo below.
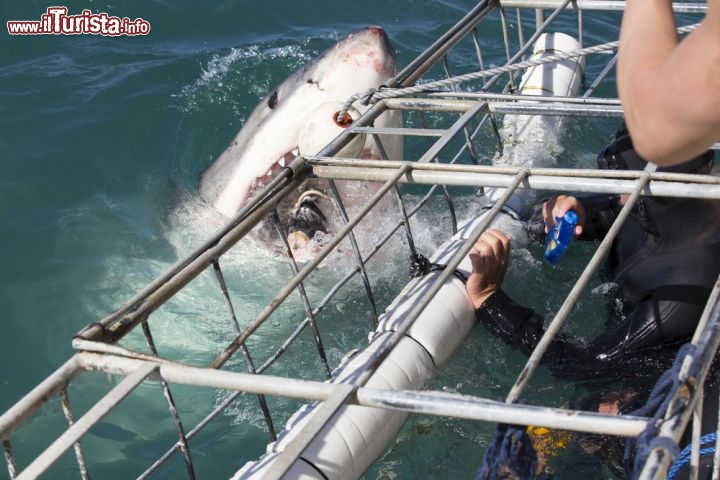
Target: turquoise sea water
x,y
102,136
101,139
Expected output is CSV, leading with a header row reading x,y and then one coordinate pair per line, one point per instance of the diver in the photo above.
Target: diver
x,y
664,261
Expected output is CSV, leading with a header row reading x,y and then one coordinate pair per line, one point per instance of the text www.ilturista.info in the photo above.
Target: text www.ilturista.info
x,y
57,22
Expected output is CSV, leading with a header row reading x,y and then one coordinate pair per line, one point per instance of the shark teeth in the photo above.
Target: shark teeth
x,y
262,180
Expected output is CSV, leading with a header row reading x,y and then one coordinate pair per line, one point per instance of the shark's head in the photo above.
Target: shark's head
x,y
270,137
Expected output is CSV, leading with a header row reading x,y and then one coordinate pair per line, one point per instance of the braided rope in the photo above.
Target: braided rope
x,y
372,95
655,407
684,457
510,455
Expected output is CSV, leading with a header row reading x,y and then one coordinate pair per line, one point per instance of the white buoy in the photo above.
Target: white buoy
x,y
561,78
323,125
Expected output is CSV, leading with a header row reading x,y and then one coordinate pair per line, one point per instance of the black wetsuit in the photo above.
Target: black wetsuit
x,y
664,261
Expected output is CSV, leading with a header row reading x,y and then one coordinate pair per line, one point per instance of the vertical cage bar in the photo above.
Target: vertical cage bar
x,y
446,192
524,48
539,18
356,251
521,34
9,458
466,130
67,410
478,48
303,296
405,221
696,432
63,443
246,353
581,40
572,297
506,41
182,439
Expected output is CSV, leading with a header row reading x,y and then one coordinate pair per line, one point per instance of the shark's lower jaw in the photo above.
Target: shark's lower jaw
x,y
307,226
304,248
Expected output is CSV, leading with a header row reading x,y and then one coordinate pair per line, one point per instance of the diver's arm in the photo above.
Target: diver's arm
x,y
600,213
518,326
670,89
514,324
522,328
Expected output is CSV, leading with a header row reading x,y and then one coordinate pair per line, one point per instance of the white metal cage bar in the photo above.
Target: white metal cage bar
x,y
471,114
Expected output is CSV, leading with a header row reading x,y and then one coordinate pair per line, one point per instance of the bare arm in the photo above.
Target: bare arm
x,y
670,90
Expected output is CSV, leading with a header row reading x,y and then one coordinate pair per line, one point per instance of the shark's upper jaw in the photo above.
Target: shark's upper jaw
x,y
260,182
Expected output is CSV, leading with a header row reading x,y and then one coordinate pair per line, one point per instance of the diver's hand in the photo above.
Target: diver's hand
x,y
559,206
489,257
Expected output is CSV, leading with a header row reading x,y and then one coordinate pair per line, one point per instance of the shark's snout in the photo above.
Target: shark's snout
x,y
382,36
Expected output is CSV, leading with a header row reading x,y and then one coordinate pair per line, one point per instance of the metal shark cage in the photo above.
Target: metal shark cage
x,y
450,124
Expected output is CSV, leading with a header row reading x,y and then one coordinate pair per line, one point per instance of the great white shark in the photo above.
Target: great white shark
x,y
270,137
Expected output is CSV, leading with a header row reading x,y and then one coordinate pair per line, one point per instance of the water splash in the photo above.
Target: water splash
x,y
227,77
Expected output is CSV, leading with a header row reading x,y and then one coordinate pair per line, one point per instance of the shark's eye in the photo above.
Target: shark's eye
x,y
272,101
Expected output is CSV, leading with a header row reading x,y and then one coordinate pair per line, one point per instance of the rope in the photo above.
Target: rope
x,y
420,265
372,95
655,407
511,455
684,457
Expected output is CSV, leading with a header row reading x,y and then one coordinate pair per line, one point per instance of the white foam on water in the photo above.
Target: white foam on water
x,y
219,65
530,141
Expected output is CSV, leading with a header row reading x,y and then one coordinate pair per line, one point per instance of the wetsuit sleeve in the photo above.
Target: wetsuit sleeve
x,y
600,213
522,328
518,326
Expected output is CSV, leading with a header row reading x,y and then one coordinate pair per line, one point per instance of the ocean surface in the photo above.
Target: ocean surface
x,y
102,142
